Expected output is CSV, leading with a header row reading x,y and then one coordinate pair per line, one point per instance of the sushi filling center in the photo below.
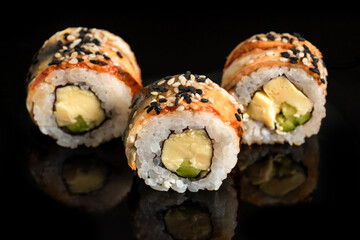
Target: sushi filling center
x,y
77,110
188,154
280,105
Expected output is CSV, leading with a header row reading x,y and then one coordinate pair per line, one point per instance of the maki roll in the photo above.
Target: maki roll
x,y
184,132
80,86
280,79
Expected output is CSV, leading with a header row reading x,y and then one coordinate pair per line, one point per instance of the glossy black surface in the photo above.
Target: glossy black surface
x,y
37,202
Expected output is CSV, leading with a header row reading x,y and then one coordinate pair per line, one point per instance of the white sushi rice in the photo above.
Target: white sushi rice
x,y
114,95
256,131
157,129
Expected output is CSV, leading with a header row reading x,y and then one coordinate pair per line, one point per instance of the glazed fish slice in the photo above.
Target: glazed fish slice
x,y
80,86
184,132
281,81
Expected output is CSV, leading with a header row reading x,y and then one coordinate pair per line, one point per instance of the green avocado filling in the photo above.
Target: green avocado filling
x,y
79,126
287,120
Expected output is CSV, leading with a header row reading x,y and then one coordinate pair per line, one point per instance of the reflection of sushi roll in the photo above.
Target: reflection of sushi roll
x,y
278,174
172,215
83,178
81,84
281,81
184,133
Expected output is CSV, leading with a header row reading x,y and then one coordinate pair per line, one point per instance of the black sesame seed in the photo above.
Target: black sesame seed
x,y
54,62
80,59
238,117
270,36
199,91
257,37
66,35
157,110
293,60
146,107
191,89
315,70
294,50
96,41
239,111
119,54
168,77
176,101
182,88
286,37
285,54
87,52
162,89
94,61
187,75
149,109
97,53
154,104
161,100
299,37
204,100
291,40
322,81
188,99
106,57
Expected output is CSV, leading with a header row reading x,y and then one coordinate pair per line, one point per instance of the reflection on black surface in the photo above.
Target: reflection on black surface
x,y
90,179
190,215
278,174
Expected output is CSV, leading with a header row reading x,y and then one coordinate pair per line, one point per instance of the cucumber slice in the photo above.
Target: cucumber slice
x,y
79,126
304,118
287,109
186,170
288,125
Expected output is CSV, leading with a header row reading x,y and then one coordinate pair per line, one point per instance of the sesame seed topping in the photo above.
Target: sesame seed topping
x,y
204,100
54,62
119,54
238,117
285,54
293,60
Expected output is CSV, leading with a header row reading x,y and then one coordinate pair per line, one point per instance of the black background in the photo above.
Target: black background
x,y
169,42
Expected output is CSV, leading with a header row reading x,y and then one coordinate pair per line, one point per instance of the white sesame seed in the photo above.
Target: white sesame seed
x,y
73,61
170,104
73,54
251,61
301,54
171,99
180,100
197,96
284,40
75,42
161,82
211,100
194,100
161,96
180,108
176,90
58,55
176,84
70,37
283,59
171,81
182,79
269,53
263,39
154,93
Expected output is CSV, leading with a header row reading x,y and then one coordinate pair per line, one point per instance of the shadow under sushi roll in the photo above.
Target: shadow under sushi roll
x,y
278,174
89,179
189,215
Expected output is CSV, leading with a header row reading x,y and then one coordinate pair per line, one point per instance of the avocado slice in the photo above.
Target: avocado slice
x,y
186,170
288,110
79,126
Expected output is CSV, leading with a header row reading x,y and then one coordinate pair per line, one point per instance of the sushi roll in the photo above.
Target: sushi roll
x,y
278,174
184,132
80,86
280,79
